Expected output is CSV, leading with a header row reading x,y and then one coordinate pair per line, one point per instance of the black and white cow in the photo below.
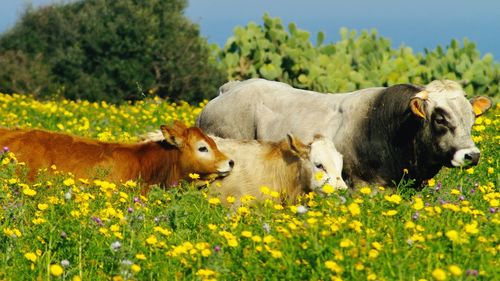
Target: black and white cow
x,y
381,132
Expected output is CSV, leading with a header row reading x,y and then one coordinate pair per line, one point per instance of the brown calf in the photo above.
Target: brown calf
x,y
184,151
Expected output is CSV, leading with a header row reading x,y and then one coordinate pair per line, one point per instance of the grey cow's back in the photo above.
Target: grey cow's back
x,y
268,110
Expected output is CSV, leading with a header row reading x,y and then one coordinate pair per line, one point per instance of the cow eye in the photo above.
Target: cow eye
x,y
203,149
320,166
440,120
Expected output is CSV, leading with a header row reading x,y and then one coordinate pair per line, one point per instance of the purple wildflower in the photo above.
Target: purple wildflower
x,y
493,210
415,216
5,149
136,199
217,248
471,272
98,221
462,198
438,186
130,210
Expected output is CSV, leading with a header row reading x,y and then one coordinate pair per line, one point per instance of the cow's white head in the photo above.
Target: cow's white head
x,y
321,160
449,117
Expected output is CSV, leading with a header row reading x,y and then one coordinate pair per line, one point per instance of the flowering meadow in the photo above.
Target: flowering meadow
x,y
65,228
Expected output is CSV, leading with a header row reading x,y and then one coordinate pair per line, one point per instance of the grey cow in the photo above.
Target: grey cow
x,y
381,132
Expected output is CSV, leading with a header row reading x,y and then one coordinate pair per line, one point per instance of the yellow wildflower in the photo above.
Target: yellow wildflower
x,y
439,274
42,206
56,270
431,182
455,270
354,209
69,182
31,256
345,243
140,256
246,234
333,266
328,189
419,204
390,213
28,191
135,268
232,243
365,190
214,201
265,190
194,176
394,198
151,240
471,228
276,254
205,273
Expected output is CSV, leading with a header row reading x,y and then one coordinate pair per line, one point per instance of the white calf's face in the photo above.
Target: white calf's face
x,y
326,164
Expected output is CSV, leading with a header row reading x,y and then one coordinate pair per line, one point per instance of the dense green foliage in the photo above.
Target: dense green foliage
x,y
116,50
356,61
108,50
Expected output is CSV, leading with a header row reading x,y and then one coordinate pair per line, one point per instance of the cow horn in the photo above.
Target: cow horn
x,y
424,95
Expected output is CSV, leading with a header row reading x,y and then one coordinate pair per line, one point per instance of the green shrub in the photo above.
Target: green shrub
x,y
355,61
109,50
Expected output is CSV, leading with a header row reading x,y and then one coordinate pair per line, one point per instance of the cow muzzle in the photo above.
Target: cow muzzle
x,y
466,157
225,168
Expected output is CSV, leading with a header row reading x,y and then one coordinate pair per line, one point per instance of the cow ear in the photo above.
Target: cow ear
x,y
480,105
297,147
179,126
172,136
417,107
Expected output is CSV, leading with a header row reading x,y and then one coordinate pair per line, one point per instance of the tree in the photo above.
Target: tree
x,y
112,50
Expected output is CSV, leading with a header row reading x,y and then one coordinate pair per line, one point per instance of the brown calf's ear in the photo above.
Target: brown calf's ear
x,y
480,105
179,126
297,147
172,136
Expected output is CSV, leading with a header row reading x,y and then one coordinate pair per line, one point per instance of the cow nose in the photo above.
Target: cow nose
x,y
231,163
473,157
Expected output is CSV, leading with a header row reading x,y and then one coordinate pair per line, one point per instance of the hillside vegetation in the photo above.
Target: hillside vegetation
x,y
122,50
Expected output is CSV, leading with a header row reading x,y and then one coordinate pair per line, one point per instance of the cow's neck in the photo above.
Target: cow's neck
x,y
160,164
389,142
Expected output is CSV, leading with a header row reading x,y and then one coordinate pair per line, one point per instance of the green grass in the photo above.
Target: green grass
x,y
104,231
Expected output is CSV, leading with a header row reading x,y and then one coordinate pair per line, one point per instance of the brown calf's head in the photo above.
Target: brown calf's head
x,y
199,153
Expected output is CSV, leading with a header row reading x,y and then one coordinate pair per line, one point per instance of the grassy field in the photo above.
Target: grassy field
x,y
67,228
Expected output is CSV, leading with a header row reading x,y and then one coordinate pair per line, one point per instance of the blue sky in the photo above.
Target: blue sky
x,y
417,24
